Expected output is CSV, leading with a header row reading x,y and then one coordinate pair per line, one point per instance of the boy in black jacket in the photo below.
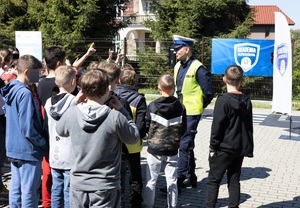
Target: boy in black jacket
x,y
166,123
127,90
231,138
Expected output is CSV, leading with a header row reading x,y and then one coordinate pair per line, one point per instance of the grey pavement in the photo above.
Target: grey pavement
x,y
270,179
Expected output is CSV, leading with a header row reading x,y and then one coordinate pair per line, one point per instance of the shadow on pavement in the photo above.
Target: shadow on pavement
x,y
257,172
223,202
280,120
293,203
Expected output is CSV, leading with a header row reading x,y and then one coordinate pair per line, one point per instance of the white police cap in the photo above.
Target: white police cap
x,y
182,41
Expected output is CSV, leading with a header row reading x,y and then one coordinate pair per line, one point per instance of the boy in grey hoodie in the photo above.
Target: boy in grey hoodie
x,y
60,154
97,133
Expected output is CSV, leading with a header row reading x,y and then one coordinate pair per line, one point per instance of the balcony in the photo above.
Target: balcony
x,y
137,19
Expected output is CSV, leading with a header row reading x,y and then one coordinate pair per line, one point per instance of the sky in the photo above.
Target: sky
x,y
290,7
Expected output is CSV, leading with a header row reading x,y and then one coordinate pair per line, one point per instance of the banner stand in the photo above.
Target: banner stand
x,y
291,127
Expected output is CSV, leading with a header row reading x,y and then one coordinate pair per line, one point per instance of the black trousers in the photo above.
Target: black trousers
x,y
133,162
219,164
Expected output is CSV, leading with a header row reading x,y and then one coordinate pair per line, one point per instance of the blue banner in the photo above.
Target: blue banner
x,y
254,56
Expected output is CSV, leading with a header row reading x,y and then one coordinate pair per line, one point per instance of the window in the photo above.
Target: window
x,y
267,31
149,41
119,10
147,7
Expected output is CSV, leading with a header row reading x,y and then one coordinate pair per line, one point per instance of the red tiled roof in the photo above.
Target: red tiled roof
x,y
264,15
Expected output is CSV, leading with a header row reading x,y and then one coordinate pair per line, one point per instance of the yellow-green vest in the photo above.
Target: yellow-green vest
x,y
192,95
137,147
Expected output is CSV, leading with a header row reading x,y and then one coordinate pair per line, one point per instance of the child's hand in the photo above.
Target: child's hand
x,y
110,52
79,97
115,103
68,63
213,153
91,50
119,58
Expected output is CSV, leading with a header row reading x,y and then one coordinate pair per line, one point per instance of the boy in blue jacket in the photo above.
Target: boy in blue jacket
x,y
25,145
127,90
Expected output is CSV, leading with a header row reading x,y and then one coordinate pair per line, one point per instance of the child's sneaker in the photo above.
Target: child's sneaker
x,y
4,191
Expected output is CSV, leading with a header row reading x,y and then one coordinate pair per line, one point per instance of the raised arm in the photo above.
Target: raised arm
x,y
80,61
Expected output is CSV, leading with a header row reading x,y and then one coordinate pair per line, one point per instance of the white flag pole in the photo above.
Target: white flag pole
x,y
282,67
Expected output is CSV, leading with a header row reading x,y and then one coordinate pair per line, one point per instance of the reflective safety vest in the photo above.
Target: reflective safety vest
x,y
192,95
137,147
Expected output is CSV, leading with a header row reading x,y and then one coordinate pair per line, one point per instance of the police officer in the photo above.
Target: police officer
x,y
194,89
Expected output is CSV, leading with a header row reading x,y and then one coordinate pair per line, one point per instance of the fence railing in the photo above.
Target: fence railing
x,y
138,19
258,88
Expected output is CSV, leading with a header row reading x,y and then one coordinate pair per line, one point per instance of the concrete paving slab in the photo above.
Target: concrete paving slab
x,y
270,179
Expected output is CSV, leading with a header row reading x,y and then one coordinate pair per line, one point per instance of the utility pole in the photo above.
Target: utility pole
x,y
202,50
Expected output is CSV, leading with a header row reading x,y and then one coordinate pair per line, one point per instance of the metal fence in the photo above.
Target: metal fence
x,y
258,88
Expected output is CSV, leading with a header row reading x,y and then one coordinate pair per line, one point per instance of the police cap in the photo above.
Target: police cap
x,y
180,41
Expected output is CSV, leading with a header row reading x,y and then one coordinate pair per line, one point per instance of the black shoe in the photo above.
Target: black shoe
x,y
180,183
190,183
165,191
136,200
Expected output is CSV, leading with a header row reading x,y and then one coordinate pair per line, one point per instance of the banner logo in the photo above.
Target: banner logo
x,y
282,58
246,55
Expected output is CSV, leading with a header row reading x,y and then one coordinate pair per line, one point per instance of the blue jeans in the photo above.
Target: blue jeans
x,y
186,159
60,188
25,184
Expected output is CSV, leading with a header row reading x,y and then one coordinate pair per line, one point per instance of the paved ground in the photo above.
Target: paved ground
x,y
270,179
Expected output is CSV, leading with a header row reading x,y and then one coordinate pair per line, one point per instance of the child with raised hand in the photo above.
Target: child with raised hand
x,y
166,123
60,154
97,133
231,138
53,57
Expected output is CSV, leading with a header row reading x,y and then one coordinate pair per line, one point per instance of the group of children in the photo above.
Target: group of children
x,y
95,126
94,168
8,59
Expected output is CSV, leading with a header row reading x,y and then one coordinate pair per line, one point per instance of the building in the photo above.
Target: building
x,y
264,22
137,36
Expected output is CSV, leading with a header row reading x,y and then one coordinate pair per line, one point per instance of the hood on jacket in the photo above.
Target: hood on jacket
x,y
239,102
10,90
127,92
59,104
109,97
165,105
91,116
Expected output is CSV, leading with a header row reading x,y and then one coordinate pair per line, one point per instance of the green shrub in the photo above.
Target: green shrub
x,y
152,65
